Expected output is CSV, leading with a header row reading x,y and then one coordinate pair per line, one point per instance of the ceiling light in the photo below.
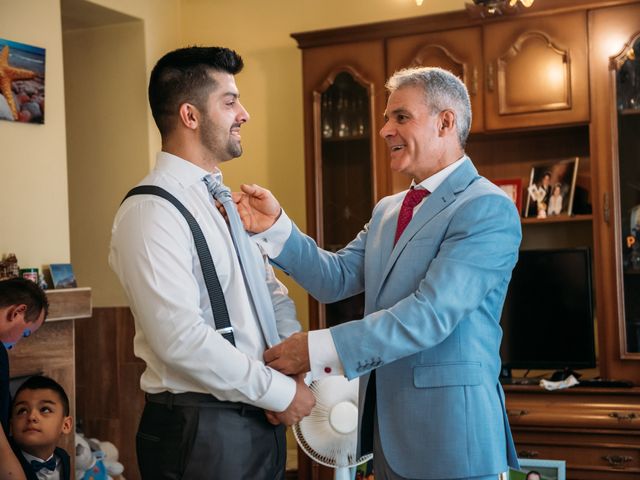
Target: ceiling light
x,y
487,8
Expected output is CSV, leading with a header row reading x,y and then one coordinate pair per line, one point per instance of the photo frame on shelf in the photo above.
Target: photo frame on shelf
x,y
551,188
62,275
513,188
545,470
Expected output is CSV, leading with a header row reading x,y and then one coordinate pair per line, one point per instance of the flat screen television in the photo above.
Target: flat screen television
x,y
547,318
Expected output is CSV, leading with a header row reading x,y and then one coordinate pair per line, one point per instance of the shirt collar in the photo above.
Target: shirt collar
x,y
30,457
185,172
436,179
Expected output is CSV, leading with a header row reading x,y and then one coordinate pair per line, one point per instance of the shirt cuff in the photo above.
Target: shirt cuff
x,y
323,355
280,393
272,240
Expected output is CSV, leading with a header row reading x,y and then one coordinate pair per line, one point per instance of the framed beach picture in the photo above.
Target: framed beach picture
x,y
551,188
537,469
513,188
22,69
62,275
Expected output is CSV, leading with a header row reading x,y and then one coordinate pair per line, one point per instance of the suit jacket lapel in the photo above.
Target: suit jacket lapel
x,y
443,196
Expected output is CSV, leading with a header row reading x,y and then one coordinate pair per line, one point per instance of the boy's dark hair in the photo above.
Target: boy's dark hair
x,y
183,75
17,291
40,382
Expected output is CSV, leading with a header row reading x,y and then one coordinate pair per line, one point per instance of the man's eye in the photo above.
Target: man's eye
x,y
402,118
45,410
21,411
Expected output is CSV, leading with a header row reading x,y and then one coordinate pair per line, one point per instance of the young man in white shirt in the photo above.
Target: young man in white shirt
x,y
214,410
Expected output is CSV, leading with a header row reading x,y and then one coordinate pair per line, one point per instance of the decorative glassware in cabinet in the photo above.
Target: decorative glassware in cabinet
x,y
626,67
347,175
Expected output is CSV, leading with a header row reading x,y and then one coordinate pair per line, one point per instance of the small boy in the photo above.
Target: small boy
x,y
39,418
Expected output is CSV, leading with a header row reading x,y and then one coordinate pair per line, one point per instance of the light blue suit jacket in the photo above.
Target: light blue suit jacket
x,y
431,327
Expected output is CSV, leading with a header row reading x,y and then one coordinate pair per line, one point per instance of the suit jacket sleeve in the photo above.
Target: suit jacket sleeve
x,y
475,256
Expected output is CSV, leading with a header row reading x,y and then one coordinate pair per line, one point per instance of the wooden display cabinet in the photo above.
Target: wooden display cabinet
x,y
543,88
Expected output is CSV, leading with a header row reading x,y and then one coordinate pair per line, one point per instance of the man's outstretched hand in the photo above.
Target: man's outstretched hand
x,y
257,207
291,356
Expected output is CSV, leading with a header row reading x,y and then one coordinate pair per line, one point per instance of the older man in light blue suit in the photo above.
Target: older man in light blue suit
x,y
427,350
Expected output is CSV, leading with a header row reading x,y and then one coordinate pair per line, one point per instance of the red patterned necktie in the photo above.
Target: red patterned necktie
x,y
413,197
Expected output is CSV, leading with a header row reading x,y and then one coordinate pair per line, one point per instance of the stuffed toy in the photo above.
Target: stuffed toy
x,y
89,465
110,460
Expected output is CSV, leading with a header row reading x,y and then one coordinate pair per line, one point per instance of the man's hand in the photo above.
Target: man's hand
x,y
257,206
291,356
301,405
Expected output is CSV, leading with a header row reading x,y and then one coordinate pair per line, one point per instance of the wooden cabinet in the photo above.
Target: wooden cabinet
x,y
544,87
536,72
615,139
596,431
521,73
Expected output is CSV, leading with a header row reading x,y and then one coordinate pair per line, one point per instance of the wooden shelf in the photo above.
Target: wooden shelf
x,y
69,303
558,219
629,111
348,138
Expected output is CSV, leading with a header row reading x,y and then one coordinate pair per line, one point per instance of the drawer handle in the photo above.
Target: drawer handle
x,y
528,454
517,413
617,461
623,417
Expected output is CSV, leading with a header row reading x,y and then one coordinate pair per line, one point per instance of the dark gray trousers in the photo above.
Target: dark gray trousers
x,y
196,437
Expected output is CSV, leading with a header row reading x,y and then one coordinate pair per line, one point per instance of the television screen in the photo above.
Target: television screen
x,y
548,313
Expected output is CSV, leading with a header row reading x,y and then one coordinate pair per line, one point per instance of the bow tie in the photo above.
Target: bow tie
x,y
49,464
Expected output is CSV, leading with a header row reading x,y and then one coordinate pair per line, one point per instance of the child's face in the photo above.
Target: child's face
x,y
38,421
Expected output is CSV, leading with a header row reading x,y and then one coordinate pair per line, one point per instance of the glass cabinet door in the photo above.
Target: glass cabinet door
x,y
346,176
626,68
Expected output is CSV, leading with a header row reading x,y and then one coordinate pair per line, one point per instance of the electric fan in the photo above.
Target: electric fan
x,y
329,435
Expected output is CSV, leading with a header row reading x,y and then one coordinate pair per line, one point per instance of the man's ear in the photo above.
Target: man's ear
x,y
189,116
447,121
16,312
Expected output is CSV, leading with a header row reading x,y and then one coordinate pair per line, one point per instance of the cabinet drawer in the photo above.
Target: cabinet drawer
x,y
596,417
607,457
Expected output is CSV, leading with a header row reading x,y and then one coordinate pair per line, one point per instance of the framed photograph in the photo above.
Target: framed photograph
x,y
22,91
62,275
551,188
364,471
535,469
513,188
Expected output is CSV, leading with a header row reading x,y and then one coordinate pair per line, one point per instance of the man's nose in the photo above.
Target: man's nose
x,y
386,130
243,115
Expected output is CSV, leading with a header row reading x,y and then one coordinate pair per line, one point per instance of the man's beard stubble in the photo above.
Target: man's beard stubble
x,y
220,150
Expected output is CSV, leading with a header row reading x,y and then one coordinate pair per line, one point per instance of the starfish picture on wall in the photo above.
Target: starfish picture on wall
x,y
21,82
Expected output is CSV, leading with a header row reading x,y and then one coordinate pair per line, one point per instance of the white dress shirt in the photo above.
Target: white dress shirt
x,y
323,355
43,473
154,255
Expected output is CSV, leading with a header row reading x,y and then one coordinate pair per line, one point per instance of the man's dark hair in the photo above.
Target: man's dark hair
x,y
40,382
183,75
18,291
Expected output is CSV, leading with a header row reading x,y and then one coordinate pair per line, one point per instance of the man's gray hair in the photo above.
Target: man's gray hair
x,y
443,91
